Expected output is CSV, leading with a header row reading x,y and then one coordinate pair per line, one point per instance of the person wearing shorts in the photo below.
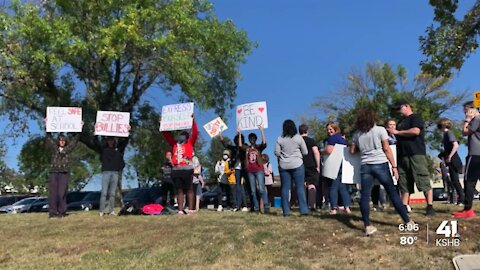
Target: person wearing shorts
x,y
411,155
182,160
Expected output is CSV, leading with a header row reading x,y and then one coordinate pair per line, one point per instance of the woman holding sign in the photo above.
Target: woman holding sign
x,y
182,160
372,143
254,165
59,173
336,186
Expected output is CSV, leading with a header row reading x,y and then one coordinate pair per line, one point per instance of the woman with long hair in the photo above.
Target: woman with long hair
x,y
450,156
372,143
290,149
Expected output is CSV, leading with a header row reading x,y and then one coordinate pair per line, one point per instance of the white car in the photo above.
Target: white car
x,y
22,205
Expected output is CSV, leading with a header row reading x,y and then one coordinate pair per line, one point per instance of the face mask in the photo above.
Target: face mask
x,y
225,157
182,138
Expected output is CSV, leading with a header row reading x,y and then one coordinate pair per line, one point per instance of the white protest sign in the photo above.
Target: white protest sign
x,y
332,162
64,119
177,117
215,127
112,124
251,115
351,167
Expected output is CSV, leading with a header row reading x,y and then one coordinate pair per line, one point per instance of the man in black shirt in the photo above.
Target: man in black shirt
x,y
411,152
311,162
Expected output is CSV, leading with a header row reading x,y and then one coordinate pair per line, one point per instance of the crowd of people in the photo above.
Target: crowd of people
x,y
244,171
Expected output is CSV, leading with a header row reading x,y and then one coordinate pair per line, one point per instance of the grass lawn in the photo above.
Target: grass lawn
x,y
211,240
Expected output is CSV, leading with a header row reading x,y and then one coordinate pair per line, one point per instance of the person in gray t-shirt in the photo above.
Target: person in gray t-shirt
x,y
372,143
471,128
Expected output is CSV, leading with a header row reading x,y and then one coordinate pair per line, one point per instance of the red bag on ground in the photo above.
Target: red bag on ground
x,y
152,209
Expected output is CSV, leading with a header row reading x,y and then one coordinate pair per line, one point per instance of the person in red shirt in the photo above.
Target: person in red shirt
x,y
254,164
182,171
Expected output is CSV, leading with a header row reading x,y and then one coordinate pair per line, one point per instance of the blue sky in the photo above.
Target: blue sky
x,y
307,47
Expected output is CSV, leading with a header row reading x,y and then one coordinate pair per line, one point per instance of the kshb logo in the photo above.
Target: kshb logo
x,y
449,230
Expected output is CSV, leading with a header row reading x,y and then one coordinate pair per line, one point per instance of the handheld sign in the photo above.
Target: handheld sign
x,y
476,99
332,162
215,127
112,124
251,115
64,119
177,117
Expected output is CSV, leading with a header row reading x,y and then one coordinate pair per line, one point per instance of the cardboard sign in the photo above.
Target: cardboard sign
x,y
332,162
351,167
112,124
177,117
64,119
215,127
251,115
476,99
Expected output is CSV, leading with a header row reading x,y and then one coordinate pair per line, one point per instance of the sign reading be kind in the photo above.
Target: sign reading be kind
x,y
251,115
112,124
64,119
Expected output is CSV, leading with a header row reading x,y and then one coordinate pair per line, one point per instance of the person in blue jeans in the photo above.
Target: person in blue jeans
x,y
336,186
254,166
290,149
372,143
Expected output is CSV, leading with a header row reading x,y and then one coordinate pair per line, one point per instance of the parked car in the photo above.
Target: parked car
x,y
41,205
439,194
23,205
72,196
143,196
11,199
89,202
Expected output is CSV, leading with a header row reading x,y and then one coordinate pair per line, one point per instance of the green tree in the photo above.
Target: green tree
x,y
452,40
379,86
105,55
35,160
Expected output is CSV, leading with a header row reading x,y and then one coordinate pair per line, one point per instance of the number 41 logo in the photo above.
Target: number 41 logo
x,y
448,230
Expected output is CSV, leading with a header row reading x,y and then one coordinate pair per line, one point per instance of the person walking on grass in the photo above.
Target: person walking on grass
x,y
254,165
59,173
471,128
290,149
311,162
372,143
182,160
450,157
112,165
411,153
336,186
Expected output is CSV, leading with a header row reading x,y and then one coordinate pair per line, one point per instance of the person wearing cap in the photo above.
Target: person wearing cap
x,y
226,178
471,128
182,160
411,155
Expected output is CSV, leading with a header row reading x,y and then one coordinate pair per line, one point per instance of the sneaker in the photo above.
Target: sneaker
x,y
235,209
112,213
460,204
430,211
464,214
244,209
220,208
409,209
369,230
101,214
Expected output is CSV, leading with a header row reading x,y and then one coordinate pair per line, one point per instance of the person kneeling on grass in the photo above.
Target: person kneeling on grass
x,y
372,143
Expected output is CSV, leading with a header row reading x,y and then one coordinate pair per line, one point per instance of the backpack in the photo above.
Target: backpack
x,y
152,209
130,208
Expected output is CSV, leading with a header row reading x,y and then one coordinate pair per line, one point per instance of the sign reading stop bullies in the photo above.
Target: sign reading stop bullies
x,y
112,124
